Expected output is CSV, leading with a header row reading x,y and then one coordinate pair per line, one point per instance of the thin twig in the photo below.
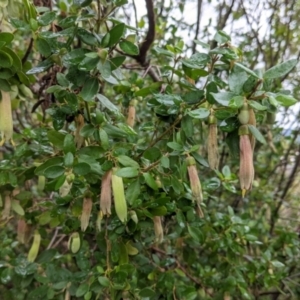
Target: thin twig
x,y
53,238
24,59
135,17
59,240
179,266
199,6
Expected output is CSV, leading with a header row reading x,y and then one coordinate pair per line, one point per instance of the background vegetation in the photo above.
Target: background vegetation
x,y
131,89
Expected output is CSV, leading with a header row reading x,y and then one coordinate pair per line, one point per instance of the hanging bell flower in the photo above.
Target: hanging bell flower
x,y
246,174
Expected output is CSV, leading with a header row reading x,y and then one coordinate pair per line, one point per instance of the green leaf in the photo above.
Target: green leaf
x,y
196,234
236,102
250,84
17,64
165,162
200,113
88,64
41,67
68,160
87,37
54,171
197,61
45,217
82,289
250,72
236,80
62,80
127,172
187,126
47,18
5,60
221,37
6,37
104,281
250,237
6,73
158,211
152,154
82,168
104,139
105,102
285,100
129,48
4,85
69,144
223,98
133,191
113,131
123,254
104,69
226,172
90,89
46,256
15,205
147,293
127,161
257,134
211,88
200,159
150,181
56,138
54,161
54,89
115,34
23,77
127,129
116,62
256,105
281,69
150,89
175,146
277,264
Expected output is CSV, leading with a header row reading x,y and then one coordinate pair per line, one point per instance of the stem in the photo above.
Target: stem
x,y
87,111
162,135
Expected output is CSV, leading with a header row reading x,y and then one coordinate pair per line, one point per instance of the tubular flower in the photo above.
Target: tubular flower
x,y
252,121
105,198
79,140
158,229
246,173
6,121
74,242
23,231
195,183
131,113
99,220
119,197
86,211
244,114
212,143
7,206
34,250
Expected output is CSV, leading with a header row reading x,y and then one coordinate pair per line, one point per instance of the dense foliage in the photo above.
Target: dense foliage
x,y
137,165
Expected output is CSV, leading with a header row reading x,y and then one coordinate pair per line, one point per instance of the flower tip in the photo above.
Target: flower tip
x,y
244,192
199,211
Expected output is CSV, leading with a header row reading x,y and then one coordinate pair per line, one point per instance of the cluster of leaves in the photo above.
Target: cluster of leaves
x,y
85,56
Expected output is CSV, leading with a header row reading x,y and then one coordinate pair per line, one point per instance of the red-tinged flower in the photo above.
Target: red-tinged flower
x,y
195,183
106,194
246,173
86,212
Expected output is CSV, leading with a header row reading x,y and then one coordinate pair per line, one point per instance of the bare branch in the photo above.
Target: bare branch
x,y
223,19
145,46
199,7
